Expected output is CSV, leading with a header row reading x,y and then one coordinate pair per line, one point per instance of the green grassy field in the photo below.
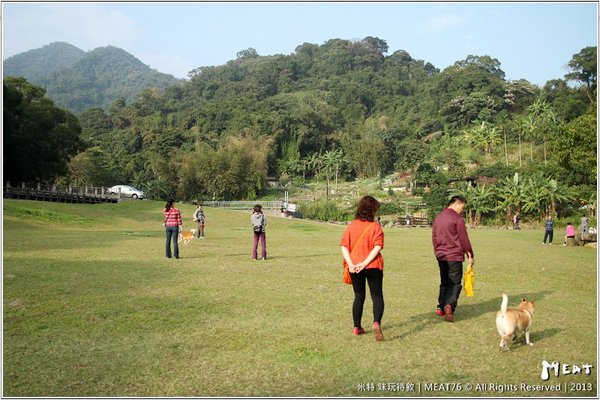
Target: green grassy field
x,y
93,308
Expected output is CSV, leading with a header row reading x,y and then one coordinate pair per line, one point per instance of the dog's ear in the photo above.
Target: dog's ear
x,y
523,300
533,302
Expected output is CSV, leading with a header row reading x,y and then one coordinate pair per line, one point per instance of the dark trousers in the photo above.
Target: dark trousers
x,y
200,232
450,283
172,234
263,239
374,277
548,235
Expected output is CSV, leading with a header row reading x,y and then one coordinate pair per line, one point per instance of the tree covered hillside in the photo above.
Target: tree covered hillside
x,y
379,113
91,79
342,110
35,65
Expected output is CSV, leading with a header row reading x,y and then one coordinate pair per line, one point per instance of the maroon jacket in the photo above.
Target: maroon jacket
x,y
449,237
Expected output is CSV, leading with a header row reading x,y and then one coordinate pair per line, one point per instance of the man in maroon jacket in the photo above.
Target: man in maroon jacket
x,y
450,244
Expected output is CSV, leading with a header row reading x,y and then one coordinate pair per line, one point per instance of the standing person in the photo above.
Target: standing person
x,y
569,233
450,244
259,224
549,232
361,246
408,219
585,225
200,219
516,220
172,224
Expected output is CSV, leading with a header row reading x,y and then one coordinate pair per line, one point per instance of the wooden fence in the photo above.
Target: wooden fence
x,y
57,194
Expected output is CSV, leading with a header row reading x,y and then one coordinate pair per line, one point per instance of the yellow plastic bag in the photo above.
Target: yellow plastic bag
x,y
469,281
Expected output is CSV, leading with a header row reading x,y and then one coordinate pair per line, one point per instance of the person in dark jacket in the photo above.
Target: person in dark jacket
x,y
549,231
450,244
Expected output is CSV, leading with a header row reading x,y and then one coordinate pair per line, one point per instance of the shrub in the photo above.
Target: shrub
x,y
324,211
389,208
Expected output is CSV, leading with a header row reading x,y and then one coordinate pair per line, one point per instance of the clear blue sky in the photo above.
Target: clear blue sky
x,y
533,41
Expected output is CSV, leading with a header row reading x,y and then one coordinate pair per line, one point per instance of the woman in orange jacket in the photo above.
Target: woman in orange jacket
x,y
361,246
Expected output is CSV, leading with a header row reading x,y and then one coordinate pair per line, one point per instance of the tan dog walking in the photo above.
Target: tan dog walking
x,y
510,321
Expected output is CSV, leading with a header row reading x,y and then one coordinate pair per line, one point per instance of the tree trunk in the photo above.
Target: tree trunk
x,y
531,150
520,151
545,152
505,148
337,169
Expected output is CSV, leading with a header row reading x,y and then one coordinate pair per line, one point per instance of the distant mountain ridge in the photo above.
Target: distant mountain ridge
x,y
35,65
79,80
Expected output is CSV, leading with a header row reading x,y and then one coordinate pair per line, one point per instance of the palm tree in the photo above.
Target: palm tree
x,y
481,201
555,195
483,136
535,199
544,121
315,163
328,161
528,125
519,124
592,202
510,194
339,160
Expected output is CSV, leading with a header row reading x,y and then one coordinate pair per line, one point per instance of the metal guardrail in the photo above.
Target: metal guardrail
x,y
244,205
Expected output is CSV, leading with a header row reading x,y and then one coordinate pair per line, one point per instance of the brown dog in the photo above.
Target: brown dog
x,y
187,236
511,320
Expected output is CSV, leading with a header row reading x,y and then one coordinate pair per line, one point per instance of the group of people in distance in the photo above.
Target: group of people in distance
x,y
361,246
173,224
569,230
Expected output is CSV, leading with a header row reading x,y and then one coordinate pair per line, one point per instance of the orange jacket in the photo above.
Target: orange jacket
x,y
373,238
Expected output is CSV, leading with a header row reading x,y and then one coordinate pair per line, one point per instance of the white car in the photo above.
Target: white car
x,y
126,191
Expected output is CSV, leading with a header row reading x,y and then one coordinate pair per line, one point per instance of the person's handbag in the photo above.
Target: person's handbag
x,y
346,278
469,281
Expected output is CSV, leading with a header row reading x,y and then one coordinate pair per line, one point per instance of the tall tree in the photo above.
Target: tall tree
x,y
39,138
584,69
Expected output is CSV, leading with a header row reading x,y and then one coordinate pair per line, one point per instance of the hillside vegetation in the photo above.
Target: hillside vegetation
x,y
35,65
78,80
344,110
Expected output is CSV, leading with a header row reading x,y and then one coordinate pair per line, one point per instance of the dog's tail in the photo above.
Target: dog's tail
x,y
504,305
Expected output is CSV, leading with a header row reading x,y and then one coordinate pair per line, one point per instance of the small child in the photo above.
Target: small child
x,y
569,232
200,219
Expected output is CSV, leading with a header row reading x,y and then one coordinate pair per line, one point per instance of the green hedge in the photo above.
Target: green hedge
x,y
324,211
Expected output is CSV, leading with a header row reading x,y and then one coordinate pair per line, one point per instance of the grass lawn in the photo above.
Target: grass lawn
x,y
92,307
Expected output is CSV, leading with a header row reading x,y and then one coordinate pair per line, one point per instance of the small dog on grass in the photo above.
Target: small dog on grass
x,y
187,236
510,321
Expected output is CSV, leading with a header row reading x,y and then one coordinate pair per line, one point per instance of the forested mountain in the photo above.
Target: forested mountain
x,y
77,80
35,65
343,109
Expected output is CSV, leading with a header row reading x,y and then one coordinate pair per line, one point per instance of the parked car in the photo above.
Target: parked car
x,y
127,191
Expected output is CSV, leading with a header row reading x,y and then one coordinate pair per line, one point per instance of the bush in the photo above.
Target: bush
x,y
323,211
389,209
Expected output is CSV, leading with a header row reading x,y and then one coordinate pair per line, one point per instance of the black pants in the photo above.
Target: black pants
x,y
548,235
374,277
450,283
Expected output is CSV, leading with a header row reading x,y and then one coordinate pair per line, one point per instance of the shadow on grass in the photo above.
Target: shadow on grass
x,y
519,340
279,257
420,322
307,256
